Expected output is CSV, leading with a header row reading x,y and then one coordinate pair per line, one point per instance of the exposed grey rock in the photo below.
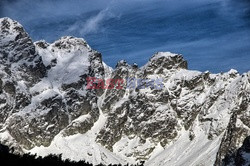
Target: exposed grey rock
x,y
43,94
34,108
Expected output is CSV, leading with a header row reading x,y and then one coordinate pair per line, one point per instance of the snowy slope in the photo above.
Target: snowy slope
x,y
184,117
81,146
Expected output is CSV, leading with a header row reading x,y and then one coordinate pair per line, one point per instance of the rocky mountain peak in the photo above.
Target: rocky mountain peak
x,y
15,43
171,116
163,61
43,85
11,29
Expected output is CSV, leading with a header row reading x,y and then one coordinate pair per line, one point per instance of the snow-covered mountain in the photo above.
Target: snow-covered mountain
x,y
196,118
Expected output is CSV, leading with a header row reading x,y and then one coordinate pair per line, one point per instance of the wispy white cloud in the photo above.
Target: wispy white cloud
x,y
94,23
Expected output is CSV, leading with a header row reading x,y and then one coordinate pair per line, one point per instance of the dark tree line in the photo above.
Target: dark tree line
x,y
9,159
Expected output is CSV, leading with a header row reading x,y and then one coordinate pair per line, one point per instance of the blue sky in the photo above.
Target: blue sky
x,y
211,34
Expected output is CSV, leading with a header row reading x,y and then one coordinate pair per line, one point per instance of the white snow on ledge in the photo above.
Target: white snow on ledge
x,y
81,147
163,54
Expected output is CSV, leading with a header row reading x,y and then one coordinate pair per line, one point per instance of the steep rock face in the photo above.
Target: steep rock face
x,y
161,113
155,115
141,111
21,67
238,128
43,86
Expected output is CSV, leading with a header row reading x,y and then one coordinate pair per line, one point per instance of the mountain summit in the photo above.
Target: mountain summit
x,y
193,118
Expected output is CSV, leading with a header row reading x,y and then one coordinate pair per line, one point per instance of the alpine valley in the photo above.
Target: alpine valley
x,y
197,118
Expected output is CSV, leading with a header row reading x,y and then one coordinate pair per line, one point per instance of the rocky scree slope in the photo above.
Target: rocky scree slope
x,y
197,118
